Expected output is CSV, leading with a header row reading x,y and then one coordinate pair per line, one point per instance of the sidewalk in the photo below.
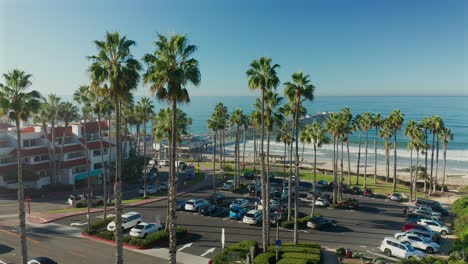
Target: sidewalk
x,y
329,256
44,217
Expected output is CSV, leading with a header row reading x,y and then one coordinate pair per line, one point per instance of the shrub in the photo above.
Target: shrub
x,y
293,261
461,224
459,205
309,257
341,251
235,252
241,189
181,232
287,224
135,241
265,258
126,239
98,226
228,168
106,235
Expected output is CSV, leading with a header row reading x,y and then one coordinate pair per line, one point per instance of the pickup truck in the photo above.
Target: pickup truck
x,y
81,200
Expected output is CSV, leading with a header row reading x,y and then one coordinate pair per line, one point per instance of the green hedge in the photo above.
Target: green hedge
x,y
301,223
293,261
265,258
459,205
235,252
98,226
241,189
106,235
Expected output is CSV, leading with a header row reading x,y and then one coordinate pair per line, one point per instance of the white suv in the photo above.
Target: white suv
x,y
253,217
435,226
420,242
194,204
129,220
392,247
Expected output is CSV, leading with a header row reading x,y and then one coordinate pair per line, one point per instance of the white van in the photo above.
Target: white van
x,y
393,247
129,220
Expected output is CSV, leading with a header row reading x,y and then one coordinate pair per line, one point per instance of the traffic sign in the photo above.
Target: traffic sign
x,y
278,242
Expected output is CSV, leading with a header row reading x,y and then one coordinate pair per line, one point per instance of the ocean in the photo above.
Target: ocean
x,y
454,111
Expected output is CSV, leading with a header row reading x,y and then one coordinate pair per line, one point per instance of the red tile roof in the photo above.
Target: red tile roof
x,y
71,148
97,145
33,151
92,127
59,132
73,163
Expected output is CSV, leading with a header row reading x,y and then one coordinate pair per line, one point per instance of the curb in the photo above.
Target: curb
x,y
102,240
102,210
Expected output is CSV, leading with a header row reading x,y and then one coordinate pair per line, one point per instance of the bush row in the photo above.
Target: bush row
x,y
301,223
304,252
460,210
241,189
235,252
98,226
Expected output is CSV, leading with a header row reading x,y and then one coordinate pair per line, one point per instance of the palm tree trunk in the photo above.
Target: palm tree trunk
x,y
284,160
22,214
145,179
109,158
236,157
387,160
394,160
172,188
425,163
267,193
54,163
262,173
296,197
314,187
411,175
436,166
214,167
104,166
349,162
243,151
444,168
118,183
334,168
137,138
340,186
303,147
290,173
358,159
416,175
431,181
62,156
375,155
365,161
87,171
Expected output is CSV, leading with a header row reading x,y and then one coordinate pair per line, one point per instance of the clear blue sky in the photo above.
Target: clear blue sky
x,y
348,47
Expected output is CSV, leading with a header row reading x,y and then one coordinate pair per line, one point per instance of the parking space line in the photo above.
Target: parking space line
x,y
382,255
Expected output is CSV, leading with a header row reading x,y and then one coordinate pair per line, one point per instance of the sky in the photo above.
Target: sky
x,y
352,48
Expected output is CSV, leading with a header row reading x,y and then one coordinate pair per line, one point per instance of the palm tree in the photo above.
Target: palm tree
x,y
170,69
376,123
42,117
114,64
344,131
84,96
236,120
427,125
137,112
146,112
223,116
348,119
18,105
214,124
289,110
357,126
332,125
262,76
284,137
245,125
386,134
255,121
446,136
300,89
304,137
318,137
366,125
409,131
419,143
53,107
438,123
395,120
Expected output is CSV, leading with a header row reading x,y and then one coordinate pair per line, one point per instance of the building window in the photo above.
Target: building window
x,y
97,152
32,142
42,173
80,169
41,158
75,155
97,166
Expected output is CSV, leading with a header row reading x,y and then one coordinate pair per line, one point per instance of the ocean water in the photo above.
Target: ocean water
x,y
454,111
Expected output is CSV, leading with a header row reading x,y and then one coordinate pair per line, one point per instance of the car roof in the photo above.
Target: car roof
x,y
130,214
392,239
44,260
253,211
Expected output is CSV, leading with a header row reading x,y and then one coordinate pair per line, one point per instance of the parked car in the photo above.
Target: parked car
x,y
194,204
321,184
150,189
237,212
129,220
163,162
427,214
278,195
143,229
428,210
414,217
253,217
393,247
273,205
435,226
41,260
239,202
305,186
163,185
423,233
356,190
368,193
349,204
218,198
250,175
395,197
345,188
435,206
321,202
320,223
81,200
410,226
228,185
421,243
310,194
180,204
207,209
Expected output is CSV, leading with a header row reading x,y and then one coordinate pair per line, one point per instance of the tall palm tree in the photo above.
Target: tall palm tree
x,y
318,137
366,125
245,126
41,116
304,137
214,124
255,121
376,123
262,76
418,136
236,120
84,97
386,133
348,120
18,105
446,136
146,109
170,69
427,125
438,126
332,124
223,117
273,118
138,116
289,110
344,131
53,107
357,126
300,89
283,136
395,120
410,132
114,65
68,113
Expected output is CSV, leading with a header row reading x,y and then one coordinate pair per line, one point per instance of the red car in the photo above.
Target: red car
x,y
410,226
368,192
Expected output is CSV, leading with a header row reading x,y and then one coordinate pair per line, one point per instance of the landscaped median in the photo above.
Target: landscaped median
x,y
302,253
160,238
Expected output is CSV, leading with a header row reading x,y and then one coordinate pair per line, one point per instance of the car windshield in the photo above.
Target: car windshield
x,y
235,210
139,226
190,203
250,215
410,248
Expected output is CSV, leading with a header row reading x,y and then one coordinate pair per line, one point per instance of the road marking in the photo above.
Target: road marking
x,y
17,235
363,246
185,246
382,255
78,224
108,216
225,218
211,250
77,254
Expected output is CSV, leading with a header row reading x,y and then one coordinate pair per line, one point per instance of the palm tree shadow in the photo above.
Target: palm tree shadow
x,y
5,249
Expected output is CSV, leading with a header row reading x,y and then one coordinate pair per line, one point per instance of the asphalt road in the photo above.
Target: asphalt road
x,y
62,248
361,230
